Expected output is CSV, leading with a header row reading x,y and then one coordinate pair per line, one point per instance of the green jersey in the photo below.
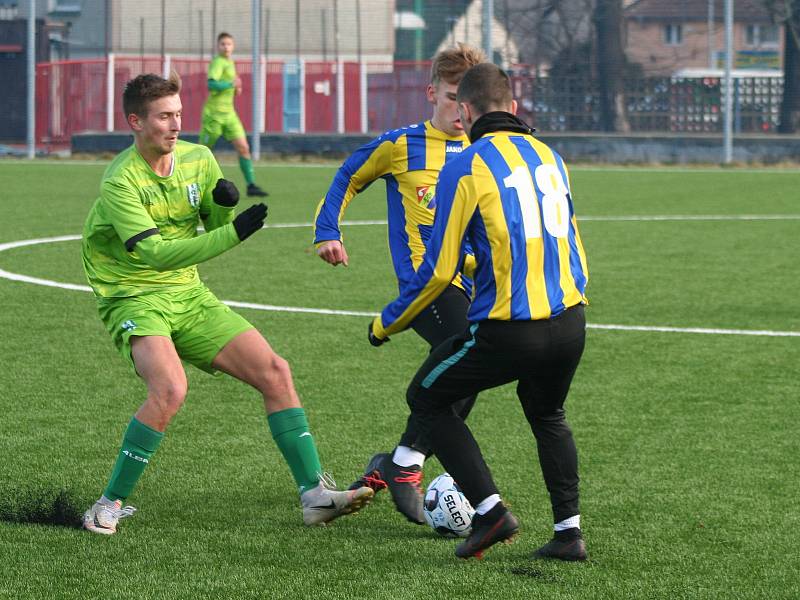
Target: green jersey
x,y
221,70
141,233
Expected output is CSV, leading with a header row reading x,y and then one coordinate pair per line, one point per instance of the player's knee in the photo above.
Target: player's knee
x,y
168,396
547,422
276,377
416,401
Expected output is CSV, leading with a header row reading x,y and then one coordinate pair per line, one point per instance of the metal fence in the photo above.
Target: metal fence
x,y
350,97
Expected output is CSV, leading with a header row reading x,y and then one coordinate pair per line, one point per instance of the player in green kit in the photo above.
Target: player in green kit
x,y
219,115
140,251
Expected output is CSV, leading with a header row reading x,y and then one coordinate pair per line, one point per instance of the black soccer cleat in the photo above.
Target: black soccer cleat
x,y
405,486
373,474
565,545
497,525
254,190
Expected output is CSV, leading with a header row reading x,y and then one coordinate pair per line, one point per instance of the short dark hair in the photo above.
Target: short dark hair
x,y
486,87
144,89
222,35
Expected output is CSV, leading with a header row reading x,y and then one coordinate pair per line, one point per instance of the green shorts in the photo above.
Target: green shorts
x,y
213,125
198,323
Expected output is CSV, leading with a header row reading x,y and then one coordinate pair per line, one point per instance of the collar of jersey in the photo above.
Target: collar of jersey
x,y
439,133
497,121
150,169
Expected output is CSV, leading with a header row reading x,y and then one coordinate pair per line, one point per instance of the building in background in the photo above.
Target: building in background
x,y
306,29
667,37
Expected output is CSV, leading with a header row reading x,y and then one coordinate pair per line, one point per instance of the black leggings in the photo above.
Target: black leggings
x,y
541,356
444,318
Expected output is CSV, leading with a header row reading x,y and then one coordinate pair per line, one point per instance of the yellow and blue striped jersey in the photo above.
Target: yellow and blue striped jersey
x,y
409,160
509,194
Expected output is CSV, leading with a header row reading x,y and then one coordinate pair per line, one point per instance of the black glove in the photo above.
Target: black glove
x,y
225,193
375,340
250,220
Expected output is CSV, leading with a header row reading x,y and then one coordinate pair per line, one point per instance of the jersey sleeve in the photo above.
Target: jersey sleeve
x,y
168,255
125,213
215,85
140,235
456,202
365,165
215,70
212,214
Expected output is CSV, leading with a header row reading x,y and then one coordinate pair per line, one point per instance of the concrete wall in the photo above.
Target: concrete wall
x,y
186,33
617,149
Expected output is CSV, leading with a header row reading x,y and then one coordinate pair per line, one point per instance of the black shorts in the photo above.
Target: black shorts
x,y
541,356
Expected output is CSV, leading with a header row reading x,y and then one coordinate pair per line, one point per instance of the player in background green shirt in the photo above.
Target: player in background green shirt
x,y
140,250
219,115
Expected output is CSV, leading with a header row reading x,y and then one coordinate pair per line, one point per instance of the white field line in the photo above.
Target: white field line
x,y
353,313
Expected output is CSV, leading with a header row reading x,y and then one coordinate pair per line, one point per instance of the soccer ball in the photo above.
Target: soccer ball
x,y
446,509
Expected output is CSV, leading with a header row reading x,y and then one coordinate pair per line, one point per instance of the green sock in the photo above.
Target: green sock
x,y
246,165
289,429
138,445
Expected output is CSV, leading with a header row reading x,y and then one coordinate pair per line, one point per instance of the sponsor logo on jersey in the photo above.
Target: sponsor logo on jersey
x,y
453,147
426,195
193,192
129,325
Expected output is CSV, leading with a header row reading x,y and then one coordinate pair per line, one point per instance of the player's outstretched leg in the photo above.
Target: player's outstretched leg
x,y
497,525
325,503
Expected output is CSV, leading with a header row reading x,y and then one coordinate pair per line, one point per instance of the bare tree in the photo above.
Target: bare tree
x,y
610,65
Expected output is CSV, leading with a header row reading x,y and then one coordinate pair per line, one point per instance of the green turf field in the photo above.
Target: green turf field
x,y
688,441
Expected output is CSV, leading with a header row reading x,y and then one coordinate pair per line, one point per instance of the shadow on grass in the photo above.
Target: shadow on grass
x,y
43,506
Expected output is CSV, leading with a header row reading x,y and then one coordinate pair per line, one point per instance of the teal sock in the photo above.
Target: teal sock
x,y
289,429
246,165
138,445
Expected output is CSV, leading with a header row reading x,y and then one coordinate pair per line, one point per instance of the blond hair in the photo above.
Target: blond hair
x,y
450,64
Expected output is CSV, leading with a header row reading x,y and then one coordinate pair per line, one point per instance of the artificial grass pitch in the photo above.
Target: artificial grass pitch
x,y
687,441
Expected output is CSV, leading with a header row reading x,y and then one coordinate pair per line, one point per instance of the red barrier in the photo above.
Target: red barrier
x,y
273,117
320,96
71,95
396,94
352,97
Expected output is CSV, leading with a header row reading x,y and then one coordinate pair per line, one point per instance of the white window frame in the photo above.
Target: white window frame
x,y
754,35
673,34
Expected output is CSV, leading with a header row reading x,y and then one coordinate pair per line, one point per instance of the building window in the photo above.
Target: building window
x,y
762,35
673,34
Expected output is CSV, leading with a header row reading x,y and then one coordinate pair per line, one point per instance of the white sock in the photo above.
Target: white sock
x,y
487,504
573,522
407,457
106,502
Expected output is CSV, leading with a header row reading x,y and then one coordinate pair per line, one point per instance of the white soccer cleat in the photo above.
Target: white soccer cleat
x,y
324,503
103,518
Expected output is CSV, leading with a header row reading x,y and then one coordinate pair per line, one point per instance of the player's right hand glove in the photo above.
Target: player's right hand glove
x,y
250,220
225,193
374,339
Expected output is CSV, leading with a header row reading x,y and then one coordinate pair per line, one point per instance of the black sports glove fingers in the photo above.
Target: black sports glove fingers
x,y
225,193
375,340
250,220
